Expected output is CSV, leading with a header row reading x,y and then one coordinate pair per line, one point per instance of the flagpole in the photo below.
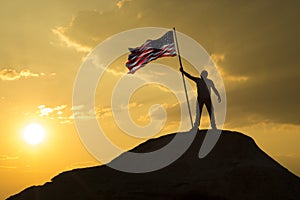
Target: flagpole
x,y
184,84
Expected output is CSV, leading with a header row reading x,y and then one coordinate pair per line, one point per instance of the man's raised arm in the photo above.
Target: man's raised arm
x,y
188,75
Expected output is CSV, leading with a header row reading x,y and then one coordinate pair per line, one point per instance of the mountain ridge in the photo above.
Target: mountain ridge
x,y
235,169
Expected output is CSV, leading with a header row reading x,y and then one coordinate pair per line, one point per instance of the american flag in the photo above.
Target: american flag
x,y
151,50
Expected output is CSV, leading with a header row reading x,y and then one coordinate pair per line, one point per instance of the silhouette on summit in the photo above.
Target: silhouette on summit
x,y
204,86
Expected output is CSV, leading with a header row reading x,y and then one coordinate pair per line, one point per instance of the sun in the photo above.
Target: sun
x,y
34,134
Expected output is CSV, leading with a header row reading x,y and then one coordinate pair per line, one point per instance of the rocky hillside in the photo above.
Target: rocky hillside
x,y
235,169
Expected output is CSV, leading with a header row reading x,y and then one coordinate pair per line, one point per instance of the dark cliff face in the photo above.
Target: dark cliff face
x,y
235,169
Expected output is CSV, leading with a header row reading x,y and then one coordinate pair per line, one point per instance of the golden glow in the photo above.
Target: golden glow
x,y
44,44
34,134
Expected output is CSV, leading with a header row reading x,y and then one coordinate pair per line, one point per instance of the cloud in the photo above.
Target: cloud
x,y
77,107
60,113
89,27
85,115
116,72
254,47
103,112
66,116
48,111
6,157
218,59
12,74
60,32
7,74
121,3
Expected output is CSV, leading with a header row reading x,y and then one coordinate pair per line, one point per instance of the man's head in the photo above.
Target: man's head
x,y
204,74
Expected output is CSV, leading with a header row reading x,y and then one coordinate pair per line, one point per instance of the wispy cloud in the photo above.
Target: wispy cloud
x,y
12,74
66,41
103,112
60,113
65,115
48,111
6,157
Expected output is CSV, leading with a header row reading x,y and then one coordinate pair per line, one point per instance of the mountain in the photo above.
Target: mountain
x,y
236,169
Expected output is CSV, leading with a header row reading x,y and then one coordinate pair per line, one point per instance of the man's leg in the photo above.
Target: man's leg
x,y
199,107
210,110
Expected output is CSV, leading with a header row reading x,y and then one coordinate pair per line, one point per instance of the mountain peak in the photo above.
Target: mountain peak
x,y
236,168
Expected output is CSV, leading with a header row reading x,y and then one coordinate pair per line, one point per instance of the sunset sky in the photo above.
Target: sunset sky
x,y
44,43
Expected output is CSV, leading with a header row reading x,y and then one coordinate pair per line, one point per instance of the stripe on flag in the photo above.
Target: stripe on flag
x,y
151,50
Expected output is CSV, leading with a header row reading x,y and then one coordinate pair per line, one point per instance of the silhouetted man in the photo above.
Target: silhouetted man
x,y
204,86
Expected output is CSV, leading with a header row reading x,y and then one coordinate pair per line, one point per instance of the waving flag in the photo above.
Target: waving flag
x,y
151,50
